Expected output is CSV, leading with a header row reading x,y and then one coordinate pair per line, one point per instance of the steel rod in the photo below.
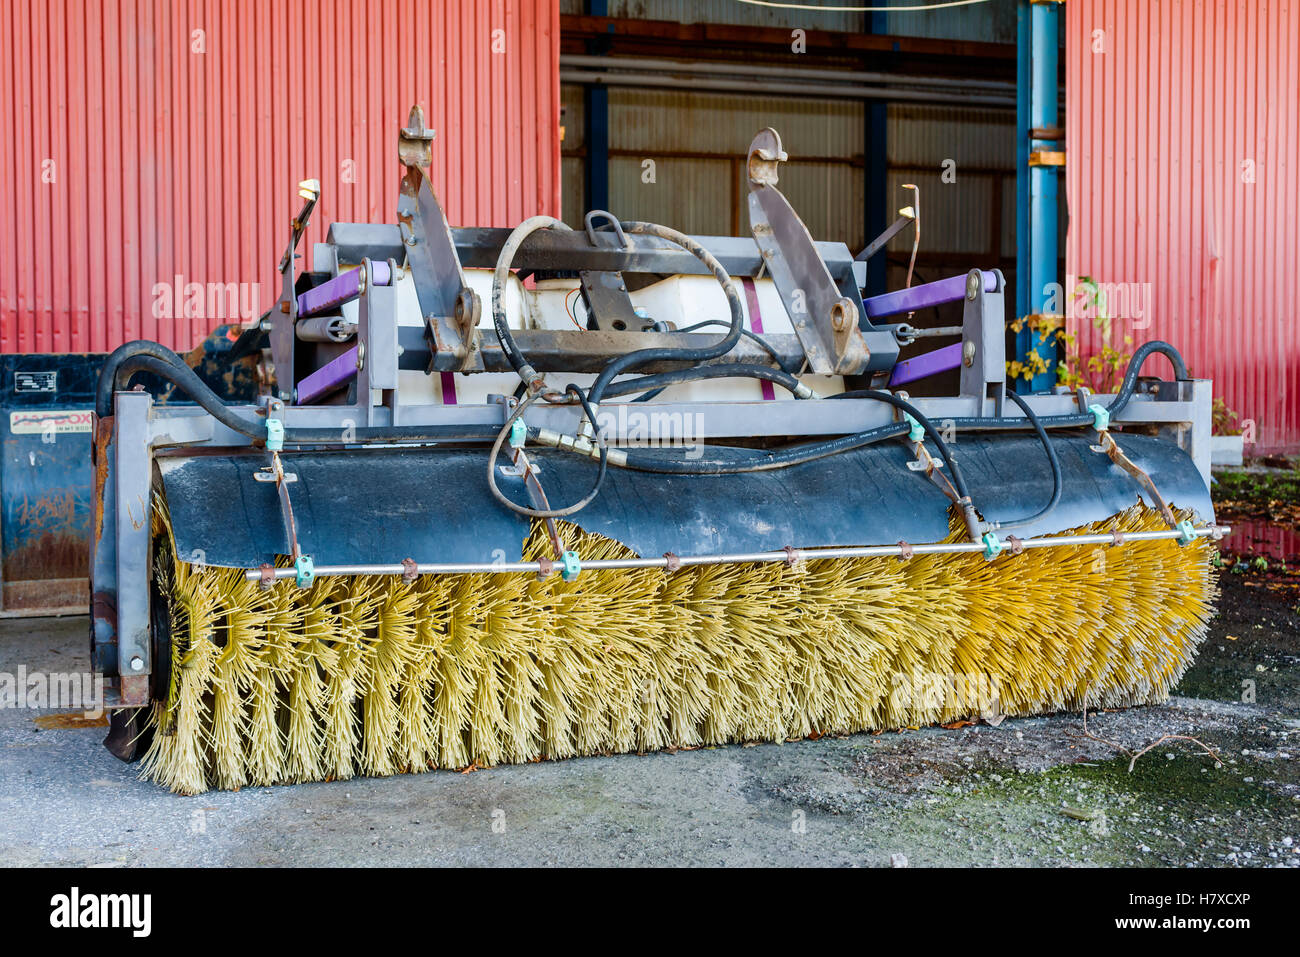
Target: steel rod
x,y
657,65
814,90
813,554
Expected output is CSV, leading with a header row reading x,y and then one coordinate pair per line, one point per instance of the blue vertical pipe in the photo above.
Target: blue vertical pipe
x,y
1022,163
596,125
1037,252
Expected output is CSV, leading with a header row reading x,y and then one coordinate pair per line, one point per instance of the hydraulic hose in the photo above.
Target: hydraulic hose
x,y
958,481
719,348
747,460
752,336
160,361
500,440
722,371
108,373
1058,480
752,460
532,379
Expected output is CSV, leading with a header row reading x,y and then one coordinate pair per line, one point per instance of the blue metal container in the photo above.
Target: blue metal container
x,y
46,481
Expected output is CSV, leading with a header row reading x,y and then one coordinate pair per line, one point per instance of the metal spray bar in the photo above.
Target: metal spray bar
x,y
789,556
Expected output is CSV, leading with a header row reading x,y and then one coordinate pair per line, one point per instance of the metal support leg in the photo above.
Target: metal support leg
x,y
876,189
596,124
133,466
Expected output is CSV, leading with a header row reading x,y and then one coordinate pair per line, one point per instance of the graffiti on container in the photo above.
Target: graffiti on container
x,y
53,513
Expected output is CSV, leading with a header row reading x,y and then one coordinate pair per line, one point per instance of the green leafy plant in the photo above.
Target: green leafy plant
x,y
1223,419
1101,371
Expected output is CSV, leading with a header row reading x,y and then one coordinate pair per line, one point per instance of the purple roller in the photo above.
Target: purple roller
x,y
342,288
923,297
927,364
328,377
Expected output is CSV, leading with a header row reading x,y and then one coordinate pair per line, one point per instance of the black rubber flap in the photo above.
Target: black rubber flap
x,y
433,505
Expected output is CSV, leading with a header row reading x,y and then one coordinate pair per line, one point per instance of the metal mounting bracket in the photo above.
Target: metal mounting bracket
x,y
451,309
826,322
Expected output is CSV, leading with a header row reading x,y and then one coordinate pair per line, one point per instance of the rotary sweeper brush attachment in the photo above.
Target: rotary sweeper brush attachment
x,y
373,675
631,535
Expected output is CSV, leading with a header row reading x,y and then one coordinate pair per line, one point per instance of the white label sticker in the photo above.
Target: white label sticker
x,y
46,421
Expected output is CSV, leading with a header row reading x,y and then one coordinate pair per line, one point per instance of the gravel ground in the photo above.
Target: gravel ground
x,y
1027,792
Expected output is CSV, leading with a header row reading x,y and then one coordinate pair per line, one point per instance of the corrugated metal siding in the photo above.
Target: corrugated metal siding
x,y
960,216
727,11
726,123
991,22
176,153
698,142
923,134
1159,127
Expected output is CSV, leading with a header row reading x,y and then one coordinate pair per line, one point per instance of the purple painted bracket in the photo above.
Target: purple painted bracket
x,y
327,378
923,297
342,288
927,364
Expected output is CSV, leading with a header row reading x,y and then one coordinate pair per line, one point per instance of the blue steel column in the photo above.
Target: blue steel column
x,y
596,125
1037,250
876,187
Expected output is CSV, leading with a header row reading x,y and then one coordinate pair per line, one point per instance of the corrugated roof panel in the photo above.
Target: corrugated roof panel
x,y
156,143
1183,123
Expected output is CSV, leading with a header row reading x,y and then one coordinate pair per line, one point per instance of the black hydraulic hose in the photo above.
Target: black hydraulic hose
x,y
153,358
752,336
758,461
721,347
1058,480
108,378
1134,367
739,370
188,381
958,481
750,460
532,379
501,438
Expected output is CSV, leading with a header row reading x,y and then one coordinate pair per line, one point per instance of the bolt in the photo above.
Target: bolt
x,y
137,663
973,285
968,354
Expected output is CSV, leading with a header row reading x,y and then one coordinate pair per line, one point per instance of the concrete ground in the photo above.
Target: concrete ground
x,y
1027,792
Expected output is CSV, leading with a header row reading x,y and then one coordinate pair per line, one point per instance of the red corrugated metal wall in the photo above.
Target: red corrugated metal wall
x,y
142,140
1183,123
